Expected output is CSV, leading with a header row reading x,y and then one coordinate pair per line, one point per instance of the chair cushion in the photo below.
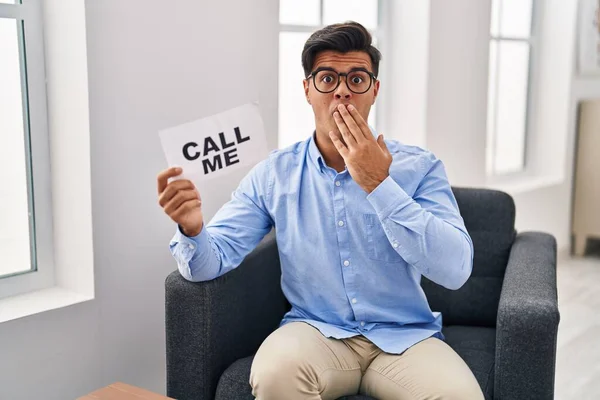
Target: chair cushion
x,y
489,217
234,381
476,345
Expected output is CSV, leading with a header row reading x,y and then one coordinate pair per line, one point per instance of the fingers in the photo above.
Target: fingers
x,y
343,128
185,208
339,145
351,123
173,188
360,122
381,143
163,178
181,197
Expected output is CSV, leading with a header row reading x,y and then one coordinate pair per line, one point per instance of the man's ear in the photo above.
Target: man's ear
x,y
375,91
306,85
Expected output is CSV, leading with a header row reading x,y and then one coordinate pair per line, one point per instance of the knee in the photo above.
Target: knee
x,y
276,376
269,382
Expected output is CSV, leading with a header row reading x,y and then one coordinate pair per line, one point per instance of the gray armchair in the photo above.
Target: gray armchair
x,y
503,322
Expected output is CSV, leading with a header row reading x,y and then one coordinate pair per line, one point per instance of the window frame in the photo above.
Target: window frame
x,y
491,137
28,13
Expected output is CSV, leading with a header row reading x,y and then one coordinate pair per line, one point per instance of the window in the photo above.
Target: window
x,y
25,220
298,19
509,88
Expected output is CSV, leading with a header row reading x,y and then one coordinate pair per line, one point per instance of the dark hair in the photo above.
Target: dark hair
x,y
343,38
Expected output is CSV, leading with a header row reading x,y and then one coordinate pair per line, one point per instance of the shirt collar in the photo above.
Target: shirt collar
x,y
315,154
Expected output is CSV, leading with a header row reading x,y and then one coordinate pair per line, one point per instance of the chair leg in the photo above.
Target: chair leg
x,y
580,244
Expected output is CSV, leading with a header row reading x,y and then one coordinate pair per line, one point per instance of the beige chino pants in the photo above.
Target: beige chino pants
x,y
297,362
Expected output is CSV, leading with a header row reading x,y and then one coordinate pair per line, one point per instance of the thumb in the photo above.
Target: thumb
x,y
382,144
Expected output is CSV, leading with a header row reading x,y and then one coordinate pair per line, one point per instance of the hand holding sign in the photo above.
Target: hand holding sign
x,y
181,201
206,149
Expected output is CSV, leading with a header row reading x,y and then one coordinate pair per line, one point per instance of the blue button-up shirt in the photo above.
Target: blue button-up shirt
x,y
351,262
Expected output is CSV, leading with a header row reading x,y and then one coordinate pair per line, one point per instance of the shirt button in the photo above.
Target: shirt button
x,y
337,183
395,245
191,246
354,301
346,263
362,323
341,223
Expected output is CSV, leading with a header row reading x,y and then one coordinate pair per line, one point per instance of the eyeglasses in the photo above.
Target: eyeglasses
x,y
326,80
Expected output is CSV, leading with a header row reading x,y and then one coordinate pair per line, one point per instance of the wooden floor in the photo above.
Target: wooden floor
x,y
578,356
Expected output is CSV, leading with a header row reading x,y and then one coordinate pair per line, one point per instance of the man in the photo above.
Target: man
x,y
358,221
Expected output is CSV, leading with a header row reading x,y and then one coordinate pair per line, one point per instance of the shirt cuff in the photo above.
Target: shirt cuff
x,y
388,196
182,238
194,245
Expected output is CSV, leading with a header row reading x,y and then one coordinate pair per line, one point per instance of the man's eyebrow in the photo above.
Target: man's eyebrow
x,y
333,69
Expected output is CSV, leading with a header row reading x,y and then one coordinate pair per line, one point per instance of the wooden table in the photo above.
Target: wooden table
x,y
122,391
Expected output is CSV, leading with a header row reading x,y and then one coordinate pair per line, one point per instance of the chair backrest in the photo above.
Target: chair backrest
x,y
489,216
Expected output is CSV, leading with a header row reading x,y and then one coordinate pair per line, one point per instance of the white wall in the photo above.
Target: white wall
x,y
404,76
151,65
457,87
457,107
549,208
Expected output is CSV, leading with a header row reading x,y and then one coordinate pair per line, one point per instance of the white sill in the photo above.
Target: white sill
x,y
523,183
39,301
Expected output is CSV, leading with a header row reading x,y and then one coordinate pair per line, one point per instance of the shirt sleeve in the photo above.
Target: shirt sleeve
x,y
427,229
234,231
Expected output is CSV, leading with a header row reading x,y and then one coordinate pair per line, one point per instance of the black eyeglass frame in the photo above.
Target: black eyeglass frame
x,y
340,74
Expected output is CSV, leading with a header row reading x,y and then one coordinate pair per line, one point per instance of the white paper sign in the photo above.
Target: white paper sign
x,y
214,146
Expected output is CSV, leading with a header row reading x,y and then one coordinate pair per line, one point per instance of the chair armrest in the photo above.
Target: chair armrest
x,y
209,325
527,322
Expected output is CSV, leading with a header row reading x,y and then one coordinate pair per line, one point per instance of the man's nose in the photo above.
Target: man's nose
x,y
342,91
